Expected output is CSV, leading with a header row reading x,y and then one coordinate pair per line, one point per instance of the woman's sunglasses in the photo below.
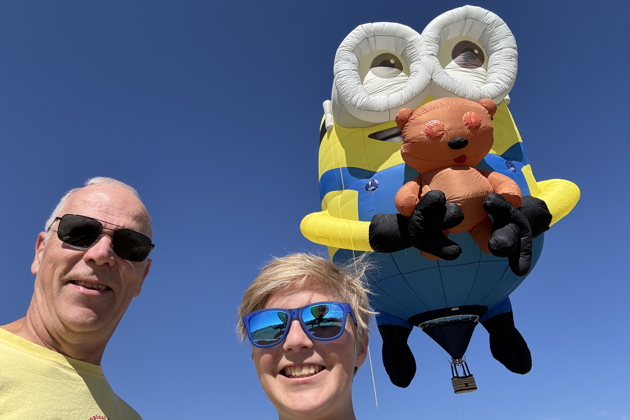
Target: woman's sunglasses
x,y
321,321
83,232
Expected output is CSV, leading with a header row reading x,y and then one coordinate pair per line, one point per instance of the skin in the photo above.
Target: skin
x,y
325,395
66,317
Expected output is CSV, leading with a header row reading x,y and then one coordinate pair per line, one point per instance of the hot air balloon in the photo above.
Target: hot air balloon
x,y
379,69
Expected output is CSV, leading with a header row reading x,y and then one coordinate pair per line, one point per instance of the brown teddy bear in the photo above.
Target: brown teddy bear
x,y
444,140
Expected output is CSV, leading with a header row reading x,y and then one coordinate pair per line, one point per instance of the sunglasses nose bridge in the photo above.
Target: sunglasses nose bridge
x,y
293,316
100,237
97,246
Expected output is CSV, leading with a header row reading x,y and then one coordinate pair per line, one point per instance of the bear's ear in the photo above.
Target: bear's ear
x,y
403,116
490,106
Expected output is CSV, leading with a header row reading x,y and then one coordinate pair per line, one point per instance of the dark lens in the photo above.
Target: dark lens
x,y
78,231
267,327
324,320
131,245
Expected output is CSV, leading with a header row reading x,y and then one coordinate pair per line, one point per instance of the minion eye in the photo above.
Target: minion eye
x,y
468,55
434,129
388,61
472,54
378,71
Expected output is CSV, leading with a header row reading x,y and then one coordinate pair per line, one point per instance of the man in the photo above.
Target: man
x,y
89,264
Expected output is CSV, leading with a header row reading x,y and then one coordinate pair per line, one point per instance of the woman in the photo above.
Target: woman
x,y
308,323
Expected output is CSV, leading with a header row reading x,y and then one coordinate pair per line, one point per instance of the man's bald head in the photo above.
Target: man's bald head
x,y
103,182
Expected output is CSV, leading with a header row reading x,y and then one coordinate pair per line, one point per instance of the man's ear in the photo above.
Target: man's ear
x,y
145,273
40,244
362,352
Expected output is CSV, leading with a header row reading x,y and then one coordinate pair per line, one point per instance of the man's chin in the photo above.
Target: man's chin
x,y
85,320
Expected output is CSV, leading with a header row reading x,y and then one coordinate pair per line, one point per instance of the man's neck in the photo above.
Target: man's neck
x,y
76,346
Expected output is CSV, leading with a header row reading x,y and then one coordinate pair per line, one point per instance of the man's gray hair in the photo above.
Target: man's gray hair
x,y
99,180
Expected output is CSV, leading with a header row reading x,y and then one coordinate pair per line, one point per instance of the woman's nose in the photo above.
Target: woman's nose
x,y
296,337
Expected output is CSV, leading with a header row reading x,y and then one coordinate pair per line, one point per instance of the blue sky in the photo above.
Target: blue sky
x,y
212,109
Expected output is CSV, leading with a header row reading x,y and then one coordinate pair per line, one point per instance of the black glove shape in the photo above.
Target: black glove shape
x,y
423,230
431,216
511,237
513,229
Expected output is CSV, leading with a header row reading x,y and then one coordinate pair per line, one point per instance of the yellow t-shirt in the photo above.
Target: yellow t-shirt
x,y
37,383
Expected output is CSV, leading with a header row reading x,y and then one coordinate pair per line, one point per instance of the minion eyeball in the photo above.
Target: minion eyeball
x,y
471,53
464,60
386,73
377,72
466,54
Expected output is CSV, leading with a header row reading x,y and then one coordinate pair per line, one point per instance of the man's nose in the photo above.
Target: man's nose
x,y
296,338
102,252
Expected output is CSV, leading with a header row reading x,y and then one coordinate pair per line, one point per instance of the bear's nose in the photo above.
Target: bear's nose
x,y
458,143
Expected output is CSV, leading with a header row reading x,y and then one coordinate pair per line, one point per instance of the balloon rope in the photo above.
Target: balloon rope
x,y
373,382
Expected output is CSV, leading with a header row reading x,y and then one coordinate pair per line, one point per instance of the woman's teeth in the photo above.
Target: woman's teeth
x,y
301,371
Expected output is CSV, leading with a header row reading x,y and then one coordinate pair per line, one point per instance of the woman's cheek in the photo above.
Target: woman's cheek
x,y
265,361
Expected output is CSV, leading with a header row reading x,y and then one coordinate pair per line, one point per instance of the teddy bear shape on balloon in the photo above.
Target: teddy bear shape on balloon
x,y
444,140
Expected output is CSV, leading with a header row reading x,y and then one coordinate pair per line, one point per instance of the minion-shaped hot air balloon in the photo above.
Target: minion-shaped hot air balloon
x,y
379,69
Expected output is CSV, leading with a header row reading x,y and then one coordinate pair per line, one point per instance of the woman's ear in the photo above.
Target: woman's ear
x,y
362,351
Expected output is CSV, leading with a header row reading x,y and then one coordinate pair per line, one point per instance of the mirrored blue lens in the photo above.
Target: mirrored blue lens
x,y
323,321
267,327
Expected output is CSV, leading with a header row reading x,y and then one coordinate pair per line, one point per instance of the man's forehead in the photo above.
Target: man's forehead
x,y
105,202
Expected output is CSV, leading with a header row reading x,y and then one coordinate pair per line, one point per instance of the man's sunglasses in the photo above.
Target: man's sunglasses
x,y
321,321
83,232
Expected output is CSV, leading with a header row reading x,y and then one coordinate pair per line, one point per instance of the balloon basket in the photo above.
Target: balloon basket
x,y
464,382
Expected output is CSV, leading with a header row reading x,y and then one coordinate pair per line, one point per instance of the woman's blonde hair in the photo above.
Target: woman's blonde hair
x,y
345,284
